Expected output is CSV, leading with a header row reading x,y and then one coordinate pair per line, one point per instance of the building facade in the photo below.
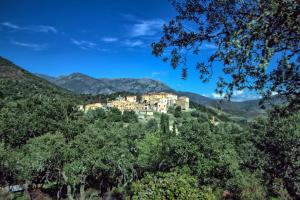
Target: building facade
x,y
131,98
152,102
183,102
93,106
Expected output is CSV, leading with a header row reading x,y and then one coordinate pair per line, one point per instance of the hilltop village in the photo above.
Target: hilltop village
x,y
145,104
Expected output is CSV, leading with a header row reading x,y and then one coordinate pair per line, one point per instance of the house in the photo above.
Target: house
x,y
161,96
162,107
81,108
123,105
214,122
171,99
93,106
183,102
131,98
160,101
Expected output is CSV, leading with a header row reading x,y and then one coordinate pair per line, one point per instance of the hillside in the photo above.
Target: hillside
x,y
31,106
14,78
80,83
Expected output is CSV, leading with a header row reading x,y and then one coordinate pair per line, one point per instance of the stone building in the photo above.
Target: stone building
x,y
153,102
162,107
125,105
168,98
183,102
131,98
93,106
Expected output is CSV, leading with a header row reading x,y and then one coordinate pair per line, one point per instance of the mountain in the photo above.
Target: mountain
x,y
80,83
84,84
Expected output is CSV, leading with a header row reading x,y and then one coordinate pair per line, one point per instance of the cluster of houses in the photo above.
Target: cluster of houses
x,y
146,104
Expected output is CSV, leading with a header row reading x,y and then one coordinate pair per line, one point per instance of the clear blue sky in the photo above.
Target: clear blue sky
x,y
100,38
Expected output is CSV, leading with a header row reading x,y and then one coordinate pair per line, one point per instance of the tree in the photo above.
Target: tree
x,y
277,141
42,160
149,151
164,124
93,115
114,115
129,116
171,185
102,153
247,37
177,112
8,168
28,117
211,153
174,128
171,110
152,125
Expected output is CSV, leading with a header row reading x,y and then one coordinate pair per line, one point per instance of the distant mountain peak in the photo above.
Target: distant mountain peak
x,y
81,83
75,75
78,74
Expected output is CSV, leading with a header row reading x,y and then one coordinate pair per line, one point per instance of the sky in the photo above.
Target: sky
x,y
100,38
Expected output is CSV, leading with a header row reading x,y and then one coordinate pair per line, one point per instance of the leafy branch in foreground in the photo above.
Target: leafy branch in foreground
x,y
249,37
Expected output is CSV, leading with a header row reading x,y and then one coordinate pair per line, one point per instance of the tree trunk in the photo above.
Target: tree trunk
x,y
58,194
69,193
82,192
290,187
26,191
69,188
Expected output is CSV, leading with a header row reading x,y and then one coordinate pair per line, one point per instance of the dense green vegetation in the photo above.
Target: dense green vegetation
x,y
55,151
61,153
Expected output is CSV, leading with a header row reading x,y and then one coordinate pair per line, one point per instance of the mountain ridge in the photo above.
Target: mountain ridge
x,y
84,84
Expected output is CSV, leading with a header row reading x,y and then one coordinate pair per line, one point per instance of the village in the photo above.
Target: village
x,y
145,104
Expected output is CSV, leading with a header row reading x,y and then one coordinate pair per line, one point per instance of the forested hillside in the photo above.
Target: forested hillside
x,y
30,106
56,152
